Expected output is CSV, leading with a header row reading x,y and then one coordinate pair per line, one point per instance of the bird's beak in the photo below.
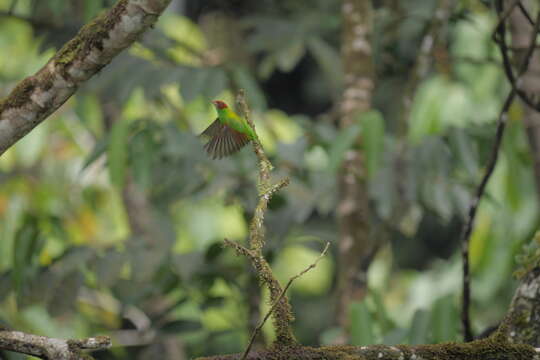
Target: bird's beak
x,y
214,102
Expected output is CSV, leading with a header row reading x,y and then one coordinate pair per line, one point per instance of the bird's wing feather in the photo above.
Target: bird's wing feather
x,y
224,140
213,129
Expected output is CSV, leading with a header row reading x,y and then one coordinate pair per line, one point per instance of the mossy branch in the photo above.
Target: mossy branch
x,y
276,302
282,315
486,349
94,47
50,348
265,166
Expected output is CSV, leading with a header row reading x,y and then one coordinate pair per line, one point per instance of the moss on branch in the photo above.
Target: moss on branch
x,y
487,349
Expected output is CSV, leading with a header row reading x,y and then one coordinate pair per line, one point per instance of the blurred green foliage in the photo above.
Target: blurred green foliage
x,y
71,264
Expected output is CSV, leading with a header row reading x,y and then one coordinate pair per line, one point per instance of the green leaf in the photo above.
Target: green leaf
x,y
118,152
288,57
361,324
58,7
92,8
329,61
343,142
419,328
396,336
383,319
443,320
372,124
190,40
426,109
179,326
142,152
243,78
6,283
31,147
88,109
331,336
99,149
463,146
193,83
27,246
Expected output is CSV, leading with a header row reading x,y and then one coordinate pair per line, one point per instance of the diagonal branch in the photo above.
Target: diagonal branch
x,y
499,36
96,44
51,348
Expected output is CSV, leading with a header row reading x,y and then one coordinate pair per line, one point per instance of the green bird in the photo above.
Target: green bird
x,y
228,133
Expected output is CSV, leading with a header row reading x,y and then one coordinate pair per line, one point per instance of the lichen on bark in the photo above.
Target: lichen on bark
x,y
95,45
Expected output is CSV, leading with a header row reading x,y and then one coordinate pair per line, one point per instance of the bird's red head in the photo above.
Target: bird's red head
x,y
219,104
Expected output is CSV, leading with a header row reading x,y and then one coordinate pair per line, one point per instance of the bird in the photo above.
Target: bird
x,y
228,133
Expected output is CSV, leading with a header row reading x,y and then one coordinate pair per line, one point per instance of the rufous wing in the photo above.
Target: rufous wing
x,y
224,140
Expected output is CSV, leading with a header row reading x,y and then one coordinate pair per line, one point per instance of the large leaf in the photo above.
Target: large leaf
x,y
28,244
288,57
361,324
419,328
329,61
245,80
142,152
425,118
343,142
91,9
100,147
190,40
118,152
372,140
464,146
444,322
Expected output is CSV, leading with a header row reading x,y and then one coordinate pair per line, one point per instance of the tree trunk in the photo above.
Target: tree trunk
x,y
521,29
353,211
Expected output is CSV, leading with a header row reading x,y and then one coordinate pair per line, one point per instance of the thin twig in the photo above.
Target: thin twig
x,y
276,302
526,13
503,15
499,36
501,124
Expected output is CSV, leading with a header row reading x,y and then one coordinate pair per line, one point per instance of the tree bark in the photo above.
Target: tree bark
x,y
50,348
523,318
355,245
96,44
521,29
494,348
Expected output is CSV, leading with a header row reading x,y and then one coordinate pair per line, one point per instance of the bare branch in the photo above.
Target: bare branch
x,y
96,44
499,36
501,124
